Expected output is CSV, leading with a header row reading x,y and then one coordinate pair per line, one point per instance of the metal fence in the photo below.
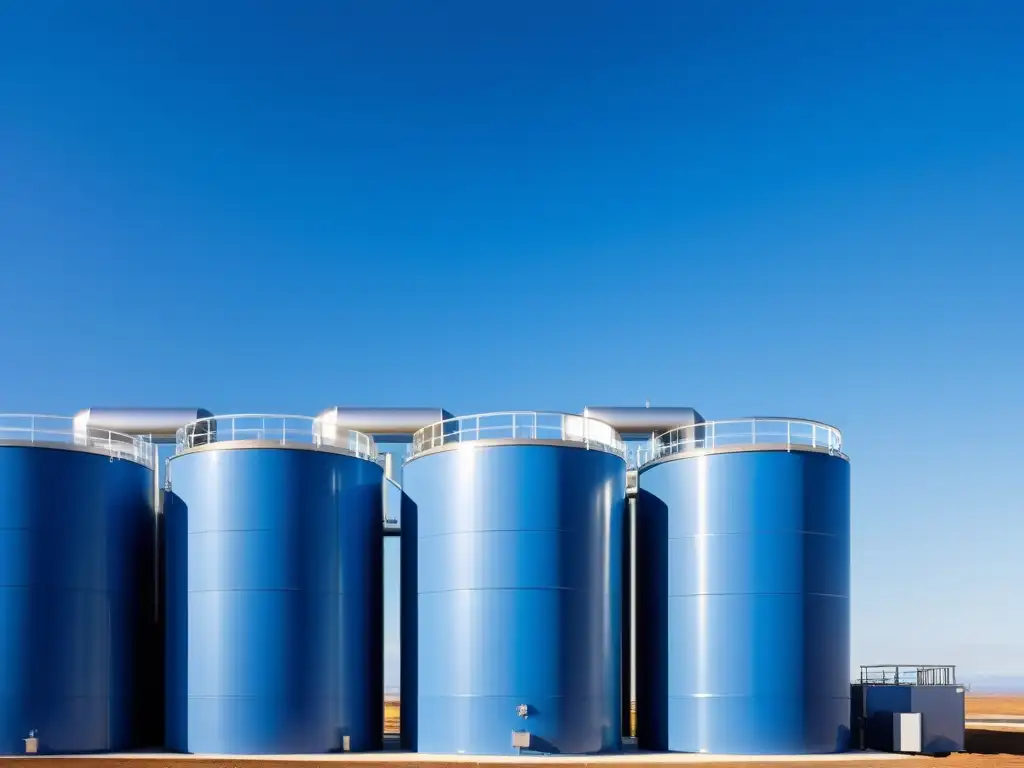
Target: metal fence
x,y
908,674
519,425
274,428
39,429
711,435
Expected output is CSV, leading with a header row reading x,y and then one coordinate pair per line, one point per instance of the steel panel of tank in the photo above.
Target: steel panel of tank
x,y
743,623
517,586
274,602
76,601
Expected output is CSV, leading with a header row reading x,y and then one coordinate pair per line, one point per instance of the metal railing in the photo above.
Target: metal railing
x,y
39,429
274,428
907,674
695,438
519,425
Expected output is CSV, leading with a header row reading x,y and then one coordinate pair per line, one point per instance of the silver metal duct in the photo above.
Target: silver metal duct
x,y
386,425
635,423
160,424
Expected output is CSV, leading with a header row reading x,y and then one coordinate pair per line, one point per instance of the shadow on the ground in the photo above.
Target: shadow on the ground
x,y
985,742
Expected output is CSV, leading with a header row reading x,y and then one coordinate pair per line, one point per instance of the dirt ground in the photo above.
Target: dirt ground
x,y
392,716
985,704
989,749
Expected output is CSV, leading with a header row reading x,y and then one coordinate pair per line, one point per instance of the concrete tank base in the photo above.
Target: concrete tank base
x,y
411,760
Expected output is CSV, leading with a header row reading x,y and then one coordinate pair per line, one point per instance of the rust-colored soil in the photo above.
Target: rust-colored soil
x,y
984,704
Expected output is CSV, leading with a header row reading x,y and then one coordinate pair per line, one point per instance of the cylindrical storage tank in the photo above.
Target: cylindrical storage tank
x,y
274,572
743,623
515,533
77,613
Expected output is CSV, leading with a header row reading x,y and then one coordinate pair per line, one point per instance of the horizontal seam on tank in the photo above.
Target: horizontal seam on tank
x,y
5,757
236,530
514,589
768,594
255,697
271,589
757,696
759,532
57,588
506,696
495,530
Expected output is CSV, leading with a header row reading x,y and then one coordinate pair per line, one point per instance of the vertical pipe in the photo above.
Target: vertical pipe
x,y
863,712
156,532
384,511
628,603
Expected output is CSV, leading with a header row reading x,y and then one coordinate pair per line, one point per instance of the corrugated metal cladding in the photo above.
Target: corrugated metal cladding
x,y
76,601
274,601
743,623
516,598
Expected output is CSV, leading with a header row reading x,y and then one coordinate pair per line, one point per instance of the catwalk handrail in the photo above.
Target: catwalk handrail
x,y
273,428
519,425
757,430
907,674
36,428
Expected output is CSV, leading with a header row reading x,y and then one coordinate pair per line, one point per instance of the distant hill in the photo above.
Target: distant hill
x,y
995,683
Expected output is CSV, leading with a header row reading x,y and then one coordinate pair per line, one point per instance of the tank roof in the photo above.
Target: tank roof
x,y
518,427
45,431
264,430
752,433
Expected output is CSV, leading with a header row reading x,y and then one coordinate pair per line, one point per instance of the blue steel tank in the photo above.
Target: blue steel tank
x,y
274,604
512,530
77,587
743,590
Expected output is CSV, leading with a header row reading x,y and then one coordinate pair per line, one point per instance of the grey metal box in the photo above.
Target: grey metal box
x,y
521,739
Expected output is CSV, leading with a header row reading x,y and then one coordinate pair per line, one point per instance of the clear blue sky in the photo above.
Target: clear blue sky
x,y
798,208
